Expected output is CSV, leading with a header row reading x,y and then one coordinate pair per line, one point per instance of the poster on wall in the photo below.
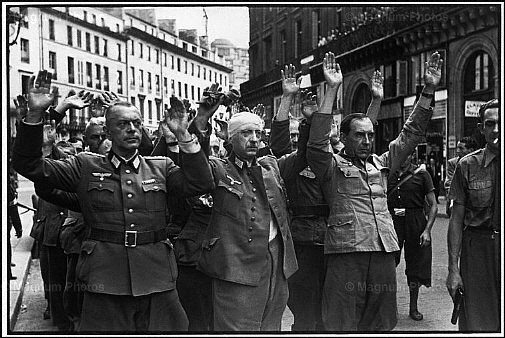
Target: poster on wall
x,y
472,108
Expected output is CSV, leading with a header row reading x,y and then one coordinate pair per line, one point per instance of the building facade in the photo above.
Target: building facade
x,y
396,40
236,58
125,51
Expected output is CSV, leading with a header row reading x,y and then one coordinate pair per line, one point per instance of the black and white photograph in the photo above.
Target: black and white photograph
x,y
230,168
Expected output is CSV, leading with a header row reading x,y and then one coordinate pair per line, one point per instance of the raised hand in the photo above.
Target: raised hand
x,y
309,103
166,132
331,71
433,70
76,101
222,132
290,85
211,96
259,110
40,96
21,104
107,99
377,84
177,119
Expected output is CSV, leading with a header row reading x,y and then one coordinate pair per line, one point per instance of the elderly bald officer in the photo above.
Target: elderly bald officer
x,y
127,262
248,251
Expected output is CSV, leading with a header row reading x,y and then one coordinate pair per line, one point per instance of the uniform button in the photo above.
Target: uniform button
x,y
253,218
101,178
132,225
100,185
229,189
253,189
249,240
129,182
254,199
127,171
38,220
62,213
130,210
250,228
253,209
130,195
251,182
156,187
339,222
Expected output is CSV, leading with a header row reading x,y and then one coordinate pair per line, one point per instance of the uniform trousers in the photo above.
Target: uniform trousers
x,y
480,271
159,311
57,273
195,293
359,292
306,287
73,293
239,307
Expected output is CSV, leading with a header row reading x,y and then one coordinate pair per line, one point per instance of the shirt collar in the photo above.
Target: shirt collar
x,y
489,156
343,153
116,160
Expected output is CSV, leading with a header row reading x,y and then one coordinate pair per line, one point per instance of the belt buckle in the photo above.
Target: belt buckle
x,y
128,237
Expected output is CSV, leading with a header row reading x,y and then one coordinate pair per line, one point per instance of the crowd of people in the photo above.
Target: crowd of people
x,y
175,235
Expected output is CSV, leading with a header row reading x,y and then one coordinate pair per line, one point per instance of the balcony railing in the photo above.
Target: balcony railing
x,y
359,33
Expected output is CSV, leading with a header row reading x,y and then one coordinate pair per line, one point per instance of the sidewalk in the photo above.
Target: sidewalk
x,y
21,251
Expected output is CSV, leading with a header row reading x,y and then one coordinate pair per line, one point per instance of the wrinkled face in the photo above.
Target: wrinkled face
x,y
123,128
462,150
95,134
246,143
358,143
490,128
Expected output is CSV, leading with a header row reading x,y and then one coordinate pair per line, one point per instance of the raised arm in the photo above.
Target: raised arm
x,y
319,155
377,89
280,141
414,128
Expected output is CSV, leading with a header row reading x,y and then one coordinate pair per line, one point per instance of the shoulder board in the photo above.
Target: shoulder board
x,y
92,154
266,158
154,157
473,153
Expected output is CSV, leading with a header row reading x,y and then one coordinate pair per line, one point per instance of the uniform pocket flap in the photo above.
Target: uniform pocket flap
x,y
88,246
154,187
341,220
101,186
480,184
231,189
350,171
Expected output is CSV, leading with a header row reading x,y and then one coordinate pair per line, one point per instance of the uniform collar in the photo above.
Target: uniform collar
x,y
116,160
489,156
238,162
354,160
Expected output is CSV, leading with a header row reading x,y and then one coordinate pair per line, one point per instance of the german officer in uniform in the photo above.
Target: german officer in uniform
x,y
127,262
247,248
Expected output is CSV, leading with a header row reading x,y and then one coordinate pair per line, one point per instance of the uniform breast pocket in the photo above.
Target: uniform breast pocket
x,y
155,196
351,182
226,200
480,193
101,195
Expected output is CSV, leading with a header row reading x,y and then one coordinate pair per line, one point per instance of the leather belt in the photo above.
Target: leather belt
x,y
312,210
130,238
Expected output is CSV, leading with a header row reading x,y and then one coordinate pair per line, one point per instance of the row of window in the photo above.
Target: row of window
x,y
141,107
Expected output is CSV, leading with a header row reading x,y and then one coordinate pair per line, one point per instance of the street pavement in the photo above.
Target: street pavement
x,y
434,302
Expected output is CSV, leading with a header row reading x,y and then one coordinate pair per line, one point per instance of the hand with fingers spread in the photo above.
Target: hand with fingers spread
x,y
164,130
40,96
309,103
433,71
290,85
331,71
259,110
75,101
21,104
177,120
107,99
377,85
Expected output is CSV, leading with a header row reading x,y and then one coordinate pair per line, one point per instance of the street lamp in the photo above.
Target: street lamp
x,y
12,19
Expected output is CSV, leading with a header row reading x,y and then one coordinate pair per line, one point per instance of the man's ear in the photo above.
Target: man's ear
x,y
481,127
342,137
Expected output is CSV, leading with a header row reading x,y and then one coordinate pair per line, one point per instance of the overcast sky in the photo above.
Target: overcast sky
x,y
231,23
